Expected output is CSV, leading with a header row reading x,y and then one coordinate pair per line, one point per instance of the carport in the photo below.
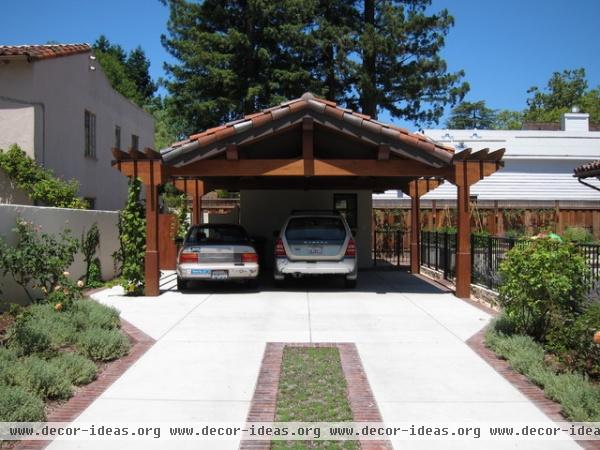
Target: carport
x,y
309,144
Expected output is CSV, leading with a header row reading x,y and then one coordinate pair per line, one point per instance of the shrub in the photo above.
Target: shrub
x,y
573,342
40,183
25,338
543,283
102,345
8,359
17,405
56,325
77,368
90,314
38,259
578,234
42,378
89,244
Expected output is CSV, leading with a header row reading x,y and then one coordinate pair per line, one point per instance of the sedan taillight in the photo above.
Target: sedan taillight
x,y
279,248
351,249
188,257
249,257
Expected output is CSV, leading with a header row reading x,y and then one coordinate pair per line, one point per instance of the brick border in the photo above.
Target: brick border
x,y
84,396
361,399
533,392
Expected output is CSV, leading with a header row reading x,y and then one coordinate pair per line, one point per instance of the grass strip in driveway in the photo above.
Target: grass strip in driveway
x,y
312,388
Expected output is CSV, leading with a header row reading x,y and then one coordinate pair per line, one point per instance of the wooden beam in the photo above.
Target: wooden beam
x,y
145,169
231,153
415,226
136,154
383,152
462,155
119,154
296,167
308,146
152,154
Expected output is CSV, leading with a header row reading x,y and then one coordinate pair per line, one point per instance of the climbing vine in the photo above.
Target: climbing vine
x,y
132,237
39,183
89,244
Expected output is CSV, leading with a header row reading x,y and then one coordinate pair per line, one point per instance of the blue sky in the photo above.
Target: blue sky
x,y
504,46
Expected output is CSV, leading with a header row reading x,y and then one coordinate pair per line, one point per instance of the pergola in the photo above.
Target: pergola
x,y
309,143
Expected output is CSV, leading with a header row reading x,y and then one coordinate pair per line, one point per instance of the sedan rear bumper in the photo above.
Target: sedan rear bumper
x,y
346,266
235,271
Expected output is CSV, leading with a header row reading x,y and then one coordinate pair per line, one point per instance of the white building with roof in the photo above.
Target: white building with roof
x,y
538,167
57,104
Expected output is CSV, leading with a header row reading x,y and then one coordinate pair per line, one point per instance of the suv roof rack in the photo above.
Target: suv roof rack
x,y
315,211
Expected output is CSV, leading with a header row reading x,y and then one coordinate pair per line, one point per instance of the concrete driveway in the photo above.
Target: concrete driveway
x,y
410,336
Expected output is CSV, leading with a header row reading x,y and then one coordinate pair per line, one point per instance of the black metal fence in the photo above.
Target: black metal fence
x,y
391,247
438,251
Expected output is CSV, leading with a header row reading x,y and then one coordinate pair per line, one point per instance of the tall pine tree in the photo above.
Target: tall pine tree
x,y
237,56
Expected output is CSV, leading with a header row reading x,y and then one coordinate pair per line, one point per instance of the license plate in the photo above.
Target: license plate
x,y
200,272
315,250
219,275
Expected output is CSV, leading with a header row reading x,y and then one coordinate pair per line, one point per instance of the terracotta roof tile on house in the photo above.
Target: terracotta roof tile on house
x,y
591,169
36,52
316,104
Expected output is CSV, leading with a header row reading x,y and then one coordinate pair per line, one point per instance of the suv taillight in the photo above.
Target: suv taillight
x,y
249,257
279,248
351,249
188,257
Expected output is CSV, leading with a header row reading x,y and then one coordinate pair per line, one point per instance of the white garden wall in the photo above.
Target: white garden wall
x,y
53,221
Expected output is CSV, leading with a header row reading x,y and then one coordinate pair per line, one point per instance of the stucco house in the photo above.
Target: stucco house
x,y
539,164
57,104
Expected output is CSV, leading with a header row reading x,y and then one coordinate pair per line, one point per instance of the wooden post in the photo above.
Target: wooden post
x,y
197,193
434,214
463,244
151,262
415,228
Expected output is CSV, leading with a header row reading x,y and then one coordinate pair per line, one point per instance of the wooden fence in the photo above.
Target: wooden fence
x,y
495,219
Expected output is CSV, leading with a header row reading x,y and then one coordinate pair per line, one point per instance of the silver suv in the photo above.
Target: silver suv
x,y
316,243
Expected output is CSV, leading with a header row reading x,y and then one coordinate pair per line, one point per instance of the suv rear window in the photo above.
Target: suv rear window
x,y
315,228
211,235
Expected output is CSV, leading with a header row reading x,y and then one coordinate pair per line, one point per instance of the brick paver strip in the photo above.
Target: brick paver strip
x,y
69,411
533,392
361,399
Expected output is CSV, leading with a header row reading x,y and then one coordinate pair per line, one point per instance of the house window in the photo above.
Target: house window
x,y
90,134
347,205
91,201
118,137
135,142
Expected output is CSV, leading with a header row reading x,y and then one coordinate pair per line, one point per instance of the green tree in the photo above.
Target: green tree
x,y
563,91
129,74
401,69
470,115
137,67
508,120
237,56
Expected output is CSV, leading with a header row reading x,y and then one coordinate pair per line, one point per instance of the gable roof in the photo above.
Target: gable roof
x,y
311,104
37,52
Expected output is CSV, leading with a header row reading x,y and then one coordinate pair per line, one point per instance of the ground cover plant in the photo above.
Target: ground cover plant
x,y
312,388
49,349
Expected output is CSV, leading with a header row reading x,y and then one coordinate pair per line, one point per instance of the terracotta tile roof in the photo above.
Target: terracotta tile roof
x,y
35,52
309,101
591,169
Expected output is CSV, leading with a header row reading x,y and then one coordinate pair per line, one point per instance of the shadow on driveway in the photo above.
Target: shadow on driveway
x,y
379,281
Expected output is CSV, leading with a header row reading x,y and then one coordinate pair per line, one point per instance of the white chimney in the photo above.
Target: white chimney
x,y
575,121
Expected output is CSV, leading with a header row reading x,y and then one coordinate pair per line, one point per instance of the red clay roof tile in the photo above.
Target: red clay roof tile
x,y
36,52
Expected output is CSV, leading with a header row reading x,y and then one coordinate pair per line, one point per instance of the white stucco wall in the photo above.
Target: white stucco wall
x,y
53,221
60,90
265,211
17,126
